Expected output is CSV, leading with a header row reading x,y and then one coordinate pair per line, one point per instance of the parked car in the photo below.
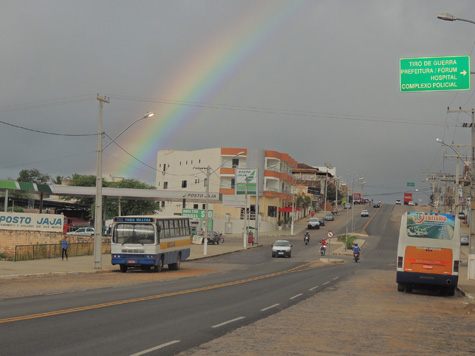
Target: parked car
x,y
322,221
347,206
214,238
398,202
329,217
464,239
364,213
281,248
313,223
82,231
461,215
411,203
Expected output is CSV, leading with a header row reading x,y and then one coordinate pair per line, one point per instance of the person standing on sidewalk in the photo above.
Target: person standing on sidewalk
x,y
64,251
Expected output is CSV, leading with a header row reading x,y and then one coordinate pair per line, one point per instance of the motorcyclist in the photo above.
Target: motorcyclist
x,y
356,249
323,247
307,236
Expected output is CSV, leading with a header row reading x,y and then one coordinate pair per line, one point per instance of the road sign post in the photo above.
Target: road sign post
x,y
434,73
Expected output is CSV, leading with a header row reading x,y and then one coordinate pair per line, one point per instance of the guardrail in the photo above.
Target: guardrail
x,y
43,251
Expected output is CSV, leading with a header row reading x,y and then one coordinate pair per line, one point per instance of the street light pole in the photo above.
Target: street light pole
x,y
98,207
98,204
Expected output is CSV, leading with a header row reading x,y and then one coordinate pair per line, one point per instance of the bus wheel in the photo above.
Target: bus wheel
x,y
123,268
159,267
175,266
408,288
400,287
450,291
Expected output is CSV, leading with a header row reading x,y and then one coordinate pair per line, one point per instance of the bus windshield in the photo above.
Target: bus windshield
x,y
134,234
430,226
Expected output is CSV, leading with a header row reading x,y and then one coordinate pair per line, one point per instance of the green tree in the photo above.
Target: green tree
x,y
303,200
128,207
132,207
33,176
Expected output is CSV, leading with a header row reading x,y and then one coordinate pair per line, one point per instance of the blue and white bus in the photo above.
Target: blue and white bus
x,y
150,242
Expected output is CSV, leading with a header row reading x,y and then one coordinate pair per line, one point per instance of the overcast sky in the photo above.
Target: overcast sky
x,y
318,80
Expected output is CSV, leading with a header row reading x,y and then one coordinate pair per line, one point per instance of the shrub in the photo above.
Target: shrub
x,y
350,240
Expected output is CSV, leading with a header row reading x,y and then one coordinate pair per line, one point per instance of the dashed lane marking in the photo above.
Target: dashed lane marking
x,y
270,307
296,296
227,322
155,348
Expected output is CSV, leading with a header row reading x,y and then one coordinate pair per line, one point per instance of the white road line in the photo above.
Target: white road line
x,y
335,278
296,296
270,307
156,348
227,322
313,288
326,282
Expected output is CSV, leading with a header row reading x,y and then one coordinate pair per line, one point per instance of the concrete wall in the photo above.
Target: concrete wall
x,y
11,238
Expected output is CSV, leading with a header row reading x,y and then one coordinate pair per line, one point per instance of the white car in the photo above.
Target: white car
x,y
398,202
314,223
82,231
281,248
411,203
364,213
464,239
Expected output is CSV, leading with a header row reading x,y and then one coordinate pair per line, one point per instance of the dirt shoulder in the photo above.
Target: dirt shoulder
x,y
361,316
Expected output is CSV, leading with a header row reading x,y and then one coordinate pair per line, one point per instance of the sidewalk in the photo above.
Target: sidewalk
x,y
233,243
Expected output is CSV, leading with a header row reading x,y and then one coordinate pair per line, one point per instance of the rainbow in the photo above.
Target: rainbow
x,y
207,73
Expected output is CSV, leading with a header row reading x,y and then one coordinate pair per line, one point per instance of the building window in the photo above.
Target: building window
x,y
235,162
233,183
195,206
183,183
163,204
165,185
204,206
272,211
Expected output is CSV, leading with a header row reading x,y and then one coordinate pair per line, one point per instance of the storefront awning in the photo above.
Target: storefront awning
x,y
288,209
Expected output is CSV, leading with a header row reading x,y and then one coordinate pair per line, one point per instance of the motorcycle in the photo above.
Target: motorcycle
x,y
306,239
323,250
356,256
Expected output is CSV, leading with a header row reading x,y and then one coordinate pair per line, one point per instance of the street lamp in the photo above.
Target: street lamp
x,y
98,206
449,17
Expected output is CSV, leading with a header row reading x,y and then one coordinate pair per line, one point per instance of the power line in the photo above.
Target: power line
x,y
46,132
279,111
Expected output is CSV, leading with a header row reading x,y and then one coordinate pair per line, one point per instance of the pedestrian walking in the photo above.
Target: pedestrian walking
x,y
64,251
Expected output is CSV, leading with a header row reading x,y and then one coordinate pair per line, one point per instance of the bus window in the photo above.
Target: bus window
x,y
134,234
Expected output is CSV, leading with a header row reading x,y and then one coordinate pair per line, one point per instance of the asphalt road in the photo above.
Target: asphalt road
x,y
168,317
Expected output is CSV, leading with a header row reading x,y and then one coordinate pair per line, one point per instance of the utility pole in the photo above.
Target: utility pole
x,y
205,248
471,249
205,237
98,207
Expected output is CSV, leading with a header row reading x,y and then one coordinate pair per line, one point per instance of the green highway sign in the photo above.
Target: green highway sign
x,y
434,73
410,184
197,213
